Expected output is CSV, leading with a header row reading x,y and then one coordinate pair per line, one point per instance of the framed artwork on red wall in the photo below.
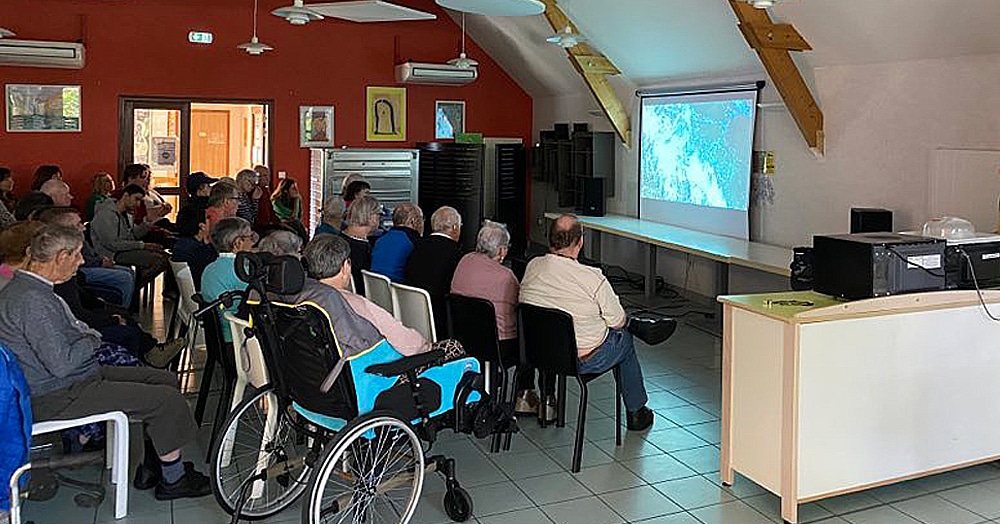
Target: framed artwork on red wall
x,y
43,108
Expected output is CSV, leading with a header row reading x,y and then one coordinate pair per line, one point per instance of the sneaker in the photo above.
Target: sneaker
x,y
162,354
640,419
547,411
191,485
526,403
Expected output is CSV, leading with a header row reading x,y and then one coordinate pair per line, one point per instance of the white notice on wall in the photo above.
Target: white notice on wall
x,y
924,262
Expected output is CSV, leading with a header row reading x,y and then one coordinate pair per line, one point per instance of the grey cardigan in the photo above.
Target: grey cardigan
x,y
55,349
112,232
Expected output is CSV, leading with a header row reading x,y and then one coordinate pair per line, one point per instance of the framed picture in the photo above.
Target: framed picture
x,y
449,119
386,114
43,108
316,126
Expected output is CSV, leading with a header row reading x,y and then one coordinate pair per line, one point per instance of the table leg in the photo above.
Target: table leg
x,y
650,271
595,245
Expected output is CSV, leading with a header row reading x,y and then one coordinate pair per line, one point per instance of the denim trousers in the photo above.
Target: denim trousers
x,y
121,279
618,349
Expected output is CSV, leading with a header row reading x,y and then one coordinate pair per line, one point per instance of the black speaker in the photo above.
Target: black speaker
x,y
871,220
593,197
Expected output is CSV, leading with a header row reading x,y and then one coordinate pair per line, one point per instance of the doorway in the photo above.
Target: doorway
x,y
175,137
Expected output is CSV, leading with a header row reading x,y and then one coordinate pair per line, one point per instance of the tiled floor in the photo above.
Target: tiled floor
x,y
666,476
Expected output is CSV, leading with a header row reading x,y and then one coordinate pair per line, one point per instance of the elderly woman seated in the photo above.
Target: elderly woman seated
x,y
57,354
229,236
281,242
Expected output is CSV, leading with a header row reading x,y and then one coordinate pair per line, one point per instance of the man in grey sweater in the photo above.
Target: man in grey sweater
x,y
115,236
56,353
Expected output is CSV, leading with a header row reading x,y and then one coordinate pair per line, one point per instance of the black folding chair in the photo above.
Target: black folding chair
x,y
217,352
548,343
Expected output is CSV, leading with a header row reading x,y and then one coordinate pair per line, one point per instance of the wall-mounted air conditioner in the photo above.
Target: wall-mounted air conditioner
x,y
435,74
33,53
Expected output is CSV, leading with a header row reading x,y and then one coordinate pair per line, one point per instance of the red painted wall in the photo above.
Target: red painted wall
x,y
139,47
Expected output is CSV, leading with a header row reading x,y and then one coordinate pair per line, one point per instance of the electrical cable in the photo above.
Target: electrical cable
x,y
911,263
975,282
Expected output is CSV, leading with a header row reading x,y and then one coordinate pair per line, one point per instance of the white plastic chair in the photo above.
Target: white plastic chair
x,y
413,308
117,459
378,290
350,285
187,306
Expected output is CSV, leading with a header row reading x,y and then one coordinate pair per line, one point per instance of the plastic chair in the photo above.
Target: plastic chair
x,y
413,308
183,317
250,366
117,458
378,290
548,343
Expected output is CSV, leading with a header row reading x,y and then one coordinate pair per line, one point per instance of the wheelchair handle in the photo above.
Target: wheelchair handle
x,y
225,299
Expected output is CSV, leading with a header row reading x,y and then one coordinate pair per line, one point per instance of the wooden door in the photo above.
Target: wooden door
x,y
210,142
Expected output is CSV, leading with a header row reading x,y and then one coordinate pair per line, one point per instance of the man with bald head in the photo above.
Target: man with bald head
x,y
393,249
558,280
434,259
58,191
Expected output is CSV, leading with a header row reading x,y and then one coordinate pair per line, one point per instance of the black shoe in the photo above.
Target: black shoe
x,y
191,485
146,477
640,419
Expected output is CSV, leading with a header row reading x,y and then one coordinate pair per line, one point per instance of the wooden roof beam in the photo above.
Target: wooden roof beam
x,y
773,43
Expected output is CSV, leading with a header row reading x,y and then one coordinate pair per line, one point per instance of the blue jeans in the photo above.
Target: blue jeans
x,y
618,349
120,279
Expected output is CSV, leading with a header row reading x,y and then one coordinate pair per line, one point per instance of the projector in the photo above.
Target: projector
x,y
867,265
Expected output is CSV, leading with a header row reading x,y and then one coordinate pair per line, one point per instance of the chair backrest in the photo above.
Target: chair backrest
x,y
548,341
185,286
413,308
211,321
350,285
377,289
473,322
249,359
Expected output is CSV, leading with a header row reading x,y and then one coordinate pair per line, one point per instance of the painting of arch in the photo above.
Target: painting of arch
x,y
449,119
386,114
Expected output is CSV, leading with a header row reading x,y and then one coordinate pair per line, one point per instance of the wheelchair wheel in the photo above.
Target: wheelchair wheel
x,y
258,440
458,504
373,471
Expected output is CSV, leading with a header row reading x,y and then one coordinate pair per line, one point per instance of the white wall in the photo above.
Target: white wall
x,y
882,123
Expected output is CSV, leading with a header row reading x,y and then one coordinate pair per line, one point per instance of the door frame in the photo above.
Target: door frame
x,y
126,113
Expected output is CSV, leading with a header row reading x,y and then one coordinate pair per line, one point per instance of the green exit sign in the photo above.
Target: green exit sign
x,y
200,37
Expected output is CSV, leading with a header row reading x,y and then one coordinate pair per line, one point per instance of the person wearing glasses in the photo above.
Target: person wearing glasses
x,y
229,236
223,202
362,219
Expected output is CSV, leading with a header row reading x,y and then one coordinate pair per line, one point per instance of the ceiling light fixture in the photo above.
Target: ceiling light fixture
x,y
463,61
297,13
255,47
566,38
495,7
6,33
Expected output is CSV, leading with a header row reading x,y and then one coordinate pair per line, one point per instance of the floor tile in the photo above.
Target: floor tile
x,y
694,492
549,489
676,518
710,432
932,509
550,437
770,506
675,439
633,446
880,515
734,512
583,511
525,516
592,456
661,400
702,460
975,498
640,503
850,503
608,477
498,498
659,468
742,487
685,415
900,491
526,465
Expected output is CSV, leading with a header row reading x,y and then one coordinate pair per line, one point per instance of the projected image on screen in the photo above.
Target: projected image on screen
x,y
697,153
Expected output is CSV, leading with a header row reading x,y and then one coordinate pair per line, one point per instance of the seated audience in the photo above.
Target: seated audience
x,y
362,218
229,236
57,354
115,236
287,201
433,260
104,185
7,199
58,191
481,274
223,201
328,259
249,194
353,187
153,208
14,242
557,280
43,174
333,219
30,204
280,243
199,186
102,276
394,247
194,244
265,212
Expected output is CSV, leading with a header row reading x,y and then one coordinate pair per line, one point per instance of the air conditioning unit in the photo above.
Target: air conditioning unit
x,y
435,74
33,53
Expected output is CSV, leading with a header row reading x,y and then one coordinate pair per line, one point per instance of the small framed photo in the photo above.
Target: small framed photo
x,y
43,108
449,119
316,126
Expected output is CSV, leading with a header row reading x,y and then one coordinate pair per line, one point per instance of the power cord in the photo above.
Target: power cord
x,y
914,264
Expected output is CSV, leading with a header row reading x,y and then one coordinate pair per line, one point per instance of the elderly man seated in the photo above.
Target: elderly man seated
x,y
56,353
433,260
557,280
223,202
281,242
229,236
394,247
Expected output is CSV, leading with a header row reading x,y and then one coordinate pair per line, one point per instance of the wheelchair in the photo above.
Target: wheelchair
x,y
346,432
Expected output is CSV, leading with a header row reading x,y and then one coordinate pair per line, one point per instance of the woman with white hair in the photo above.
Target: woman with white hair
x,y
249,194
229,236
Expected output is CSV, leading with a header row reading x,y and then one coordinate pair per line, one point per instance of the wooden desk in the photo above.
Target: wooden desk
x,y
723,250
834,397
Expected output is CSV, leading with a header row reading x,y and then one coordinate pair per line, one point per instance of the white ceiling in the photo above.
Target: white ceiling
x,y
656,40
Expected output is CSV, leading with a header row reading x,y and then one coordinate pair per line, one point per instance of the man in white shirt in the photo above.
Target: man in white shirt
x,y
557,280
